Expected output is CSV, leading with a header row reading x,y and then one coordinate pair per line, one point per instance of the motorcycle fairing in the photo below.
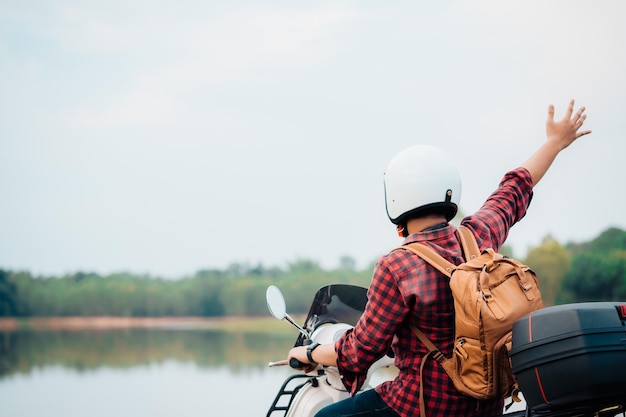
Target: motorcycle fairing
x,y
334,303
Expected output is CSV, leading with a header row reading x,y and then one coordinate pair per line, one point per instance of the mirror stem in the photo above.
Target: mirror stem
x,y
293,322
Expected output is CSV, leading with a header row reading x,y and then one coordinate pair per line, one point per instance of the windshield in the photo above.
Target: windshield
x,y
335,303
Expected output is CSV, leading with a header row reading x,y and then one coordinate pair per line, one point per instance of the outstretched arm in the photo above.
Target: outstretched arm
x,y
559,135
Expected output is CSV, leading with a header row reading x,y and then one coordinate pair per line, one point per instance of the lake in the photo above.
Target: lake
x,y
137,372
140,372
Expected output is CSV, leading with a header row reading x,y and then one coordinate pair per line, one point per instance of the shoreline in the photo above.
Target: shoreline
x,y
12,324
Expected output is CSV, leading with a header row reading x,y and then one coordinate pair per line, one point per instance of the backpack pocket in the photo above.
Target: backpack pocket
x,y
503,379
470,368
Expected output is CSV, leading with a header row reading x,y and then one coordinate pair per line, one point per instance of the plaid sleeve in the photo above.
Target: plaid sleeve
x,y
506,206
373,334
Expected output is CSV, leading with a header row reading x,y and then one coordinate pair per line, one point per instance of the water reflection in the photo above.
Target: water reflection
x,y
157,390
140,372
22,351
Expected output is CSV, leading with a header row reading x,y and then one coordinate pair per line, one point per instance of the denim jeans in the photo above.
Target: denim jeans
x,y
365,404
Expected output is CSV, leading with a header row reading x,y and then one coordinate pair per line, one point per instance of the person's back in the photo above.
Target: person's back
x,y
422,191
425,294
424,298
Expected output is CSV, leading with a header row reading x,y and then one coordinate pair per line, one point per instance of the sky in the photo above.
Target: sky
x,y
161,138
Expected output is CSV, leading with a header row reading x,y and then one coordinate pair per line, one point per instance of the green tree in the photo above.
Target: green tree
x,y
8,294
347,262
598,271
550,261
204,293
304,266
596,276
610,239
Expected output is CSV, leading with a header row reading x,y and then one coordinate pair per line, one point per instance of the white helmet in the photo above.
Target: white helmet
x,y
421,179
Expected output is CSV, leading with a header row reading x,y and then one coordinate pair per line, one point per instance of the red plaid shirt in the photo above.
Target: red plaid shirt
x,y
405,289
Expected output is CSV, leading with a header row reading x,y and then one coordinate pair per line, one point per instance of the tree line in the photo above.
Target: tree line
x,y
575,272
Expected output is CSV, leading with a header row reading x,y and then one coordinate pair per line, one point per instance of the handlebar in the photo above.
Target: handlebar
x,y
295,363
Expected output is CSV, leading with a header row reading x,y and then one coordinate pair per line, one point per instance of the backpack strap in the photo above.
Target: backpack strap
x,y
468,242
470,251
445,267
446,363
430,256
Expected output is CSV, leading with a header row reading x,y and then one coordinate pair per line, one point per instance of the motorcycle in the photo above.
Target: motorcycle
x,y
337,307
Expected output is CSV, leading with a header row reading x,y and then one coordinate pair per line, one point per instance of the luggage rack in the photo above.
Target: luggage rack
x,y
287,394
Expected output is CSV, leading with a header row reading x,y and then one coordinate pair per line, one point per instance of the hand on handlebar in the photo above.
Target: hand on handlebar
x,y
298,360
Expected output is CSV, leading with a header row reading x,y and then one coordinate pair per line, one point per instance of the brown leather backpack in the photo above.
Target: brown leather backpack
x,y
490,293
